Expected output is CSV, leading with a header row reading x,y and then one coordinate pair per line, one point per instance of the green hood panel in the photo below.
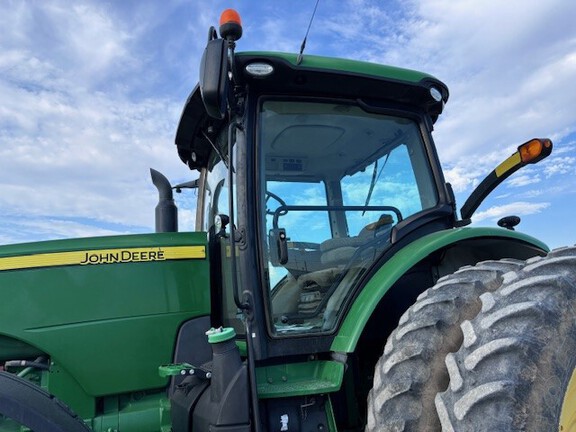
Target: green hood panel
x,y
401,262
106,309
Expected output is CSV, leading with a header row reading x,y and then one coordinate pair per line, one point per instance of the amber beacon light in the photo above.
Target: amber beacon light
x,y
230,25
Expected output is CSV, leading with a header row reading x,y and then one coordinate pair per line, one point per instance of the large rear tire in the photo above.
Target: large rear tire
x,y
515,370
28,405
412,370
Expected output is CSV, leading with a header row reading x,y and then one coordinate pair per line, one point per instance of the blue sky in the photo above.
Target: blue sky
x,y
91,93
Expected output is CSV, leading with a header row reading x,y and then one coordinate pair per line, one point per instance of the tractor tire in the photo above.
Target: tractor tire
x,y
516,368
26,404
412,370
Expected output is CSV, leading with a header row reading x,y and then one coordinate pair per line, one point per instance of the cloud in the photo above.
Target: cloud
x,y
74,142
532,193
519,208
568,146
76,43
186,219
523,180
508,82
29,228
460,178
92,92
560,165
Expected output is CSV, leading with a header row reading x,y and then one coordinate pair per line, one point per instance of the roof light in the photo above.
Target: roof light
x,y
436,94
259,69
230,25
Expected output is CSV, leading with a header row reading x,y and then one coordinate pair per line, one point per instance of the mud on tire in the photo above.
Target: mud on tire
x,y
519,353
412,370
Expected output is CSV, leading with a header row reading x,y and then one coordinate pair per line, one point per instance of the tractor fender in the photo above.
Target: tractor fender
x,y
12,348
484,243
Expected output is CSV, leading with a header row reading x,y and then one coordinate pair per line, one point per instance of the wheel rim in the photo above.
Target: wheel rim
x,y
568,413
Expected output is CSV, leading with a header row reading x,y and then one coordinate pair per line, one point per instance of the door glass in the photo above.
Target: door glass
x,y
300,194
217,214
336,180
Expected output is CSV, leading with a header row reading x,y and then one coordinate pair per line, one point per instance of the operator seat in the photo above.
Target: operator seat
x,y
303,293
340,250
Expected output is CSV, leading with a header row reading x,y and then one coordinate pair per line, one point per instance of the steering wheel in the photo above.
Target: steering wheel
x,y
276,198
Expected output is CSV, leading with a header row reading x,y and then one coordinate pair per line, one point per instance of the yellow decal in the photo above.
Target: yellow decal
x,y
509,163
229,251
103,256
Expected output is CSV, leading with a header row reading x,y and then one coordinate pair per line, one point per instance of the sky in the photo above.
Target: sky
x,y
91,93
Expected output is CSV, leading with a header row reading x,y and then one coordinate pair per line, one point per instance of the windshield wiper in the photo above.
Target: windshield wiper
x,y
216,149
374,180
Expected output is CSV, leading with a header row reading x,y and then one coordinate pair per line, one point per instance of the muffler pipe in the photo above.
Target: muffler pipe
x,y
166,210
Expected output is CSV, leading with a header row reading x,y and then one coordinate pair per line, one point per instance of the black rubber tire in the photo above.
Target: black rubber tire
x,y
30,406
412,370
519,353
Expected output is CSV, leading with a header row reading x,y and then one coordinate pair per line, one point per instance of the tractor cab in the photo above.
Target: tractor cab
x,y
310,170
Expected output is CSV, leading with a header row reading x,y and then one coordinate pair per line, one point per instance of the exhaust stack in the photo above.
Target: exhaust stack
x,y
166,210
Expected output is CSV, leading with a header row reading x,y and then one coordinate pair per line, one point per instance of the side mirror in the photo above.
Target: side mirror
x,y
214,67
193,184
214,82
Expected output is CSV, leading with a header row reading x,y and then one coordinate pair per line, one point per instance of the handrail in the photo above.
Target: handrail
x,y
285,208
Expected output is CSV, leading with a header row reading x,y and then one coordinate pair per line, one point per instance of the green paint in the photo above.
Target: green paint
x,y
330,416
299,379
123,241
398,265
61,384
242,347
11,349
220,335
109,326
173,369
137,412
345,66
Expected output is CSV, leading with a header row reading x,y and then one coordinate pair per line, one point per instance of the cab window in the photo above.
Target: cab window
x,y
336,179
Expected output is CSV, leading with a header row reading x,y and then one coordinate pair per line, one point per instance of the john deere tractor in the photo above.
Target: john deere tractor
x,y
330,284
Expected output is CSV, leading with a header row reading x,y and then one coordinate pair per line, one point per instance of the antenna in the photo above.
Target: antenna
x,y
300,55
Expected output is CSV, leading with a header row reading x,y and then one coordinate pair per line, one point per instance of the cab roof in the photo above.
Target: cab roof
x,y
314,76
341,66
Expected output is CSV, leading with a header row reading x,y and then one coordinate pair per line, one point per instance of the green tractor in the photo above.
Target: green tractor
x,y
330,284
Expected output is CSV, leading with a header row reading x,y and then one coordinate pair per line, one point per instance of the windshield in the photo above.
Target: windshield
x,y
336,180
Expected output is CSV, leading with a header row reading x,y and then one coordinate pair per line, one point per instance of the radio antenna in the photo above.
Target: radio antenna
x,y
301,54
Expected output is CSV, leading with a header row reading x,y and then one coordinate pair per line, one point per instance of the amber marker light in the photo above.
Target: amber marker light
x,y
535,150
530,152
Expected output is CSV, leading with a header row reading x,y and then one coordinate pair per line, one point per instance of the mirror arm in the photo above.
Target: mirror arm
x,y
530,152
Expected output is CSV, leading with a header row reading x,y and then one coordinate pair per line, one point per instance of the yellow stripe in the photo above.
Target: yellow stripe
x,y
103,256
185,252
508,164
